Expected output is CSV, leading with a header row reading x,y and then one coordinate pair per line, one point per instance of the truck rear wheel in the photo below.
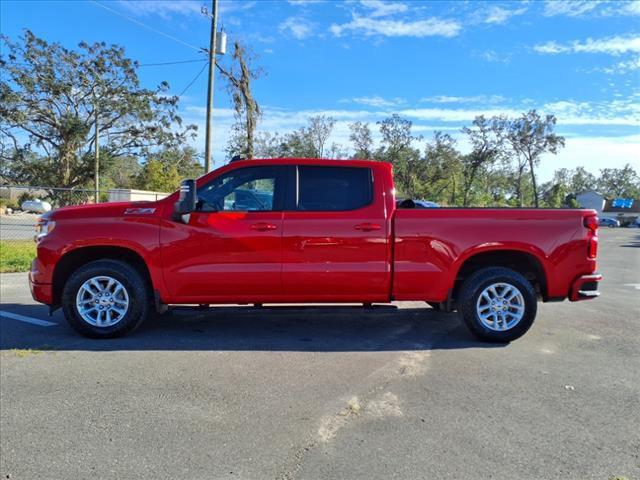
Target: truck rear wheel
x,y
105,299
497,304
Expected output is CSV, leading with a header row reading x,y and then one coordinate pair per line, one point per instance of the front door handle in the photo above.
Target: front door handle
x,y
263,227
368,227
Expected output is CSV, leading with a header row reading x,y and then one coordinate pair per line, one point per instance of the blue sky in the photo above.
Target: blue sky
x,y
437,63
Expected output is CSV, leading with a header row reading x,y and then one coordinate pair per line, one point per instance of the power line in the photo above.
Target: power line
x,y
137,22
194,80
171,63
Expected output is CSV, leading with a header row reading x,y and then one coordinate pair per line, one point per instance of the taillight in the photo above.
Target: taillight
x,y
591,223
593,247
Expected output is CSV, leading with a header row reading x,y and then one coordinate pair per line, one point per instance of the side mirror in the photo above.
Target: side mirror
x,y
187,201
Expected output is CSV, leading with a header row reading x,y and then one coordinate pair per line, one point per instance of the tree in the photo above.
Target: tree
x,y
582,181
361,140
306,142
319,130
397,148
157,176
619,182
441,170
247,112
299,144
163,170
487,141
54,97
336,151
556,192
270,145
531,136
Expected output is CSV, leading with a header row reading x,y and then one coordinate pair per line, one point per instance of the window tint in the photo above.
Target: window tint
x,y
244,189
333,188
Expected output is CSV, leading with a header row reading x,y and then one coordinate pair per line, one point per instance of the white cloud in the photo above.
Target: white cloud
x,y
614,113
593,152
398,28
582,8
303,2
623,67
377,101
297,27
617,45
382,9
571,8
493,56
468,99
499,15
631,8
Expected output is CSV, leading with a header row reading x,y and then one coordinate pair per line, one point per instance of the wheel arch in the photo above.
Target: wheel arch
x,y
72,260
523,261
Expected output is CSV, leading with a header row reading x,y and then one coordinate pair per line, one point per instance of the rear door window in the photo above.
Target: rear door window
x,y
334,188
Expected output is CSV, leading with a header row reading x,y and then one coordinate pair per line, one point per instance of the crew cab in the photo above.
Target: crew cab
x,y
308,231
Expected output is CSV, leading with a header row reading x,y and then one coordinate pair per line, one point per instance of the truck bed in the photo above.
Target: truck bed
x,y
432,244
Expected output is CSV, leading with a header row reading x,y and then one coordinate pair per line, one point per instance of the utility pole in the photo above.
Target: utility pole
x,y
212,65
97,155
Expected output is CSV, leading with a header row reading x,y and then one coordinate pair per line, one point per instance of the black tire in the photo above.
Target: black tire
x,y
135,285
473,287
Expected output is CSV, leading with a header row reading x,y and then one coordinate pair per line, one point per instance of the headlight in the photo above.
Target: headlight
x,y
43,228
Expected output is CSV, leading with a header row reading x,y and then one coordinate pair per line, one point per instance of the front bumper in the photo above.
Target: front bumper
x,y
41,292
585,287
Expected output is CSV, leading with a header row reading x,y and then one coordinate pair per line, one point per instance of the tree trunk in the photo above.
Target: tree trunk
x,y
519,186
453,190
535,186
250,131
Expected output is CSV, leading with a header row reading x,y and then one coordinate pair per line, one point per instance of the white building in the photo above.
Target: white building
x,y
605,208
592,200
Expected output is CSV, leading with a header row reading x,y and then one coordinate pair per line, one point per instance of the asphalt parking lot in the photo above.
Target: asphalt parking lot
x,y
396,391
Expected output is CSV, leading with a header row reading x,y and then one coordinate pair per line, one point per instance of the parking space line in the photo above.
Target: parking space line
x,y
23,318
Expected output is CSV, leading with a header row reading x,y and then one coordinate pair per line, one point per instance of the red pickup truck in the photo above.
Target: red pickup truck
x,y
308,231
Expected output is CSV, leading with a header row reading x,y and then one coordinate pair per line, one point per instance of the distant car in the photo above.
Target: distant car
x,y
609,222
35,206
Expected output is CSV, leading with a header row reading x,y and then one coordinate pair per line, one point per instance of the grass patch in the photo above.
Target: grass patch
x,y
16,255
30,352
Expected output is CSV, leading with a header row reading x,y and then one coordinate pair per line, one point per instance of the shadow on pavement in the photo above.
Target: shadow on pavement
x,y
304,329
634,243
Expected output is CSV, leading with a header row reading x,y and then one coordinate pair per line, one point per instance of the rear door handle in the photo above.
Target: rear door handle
x,y
368,227
263,227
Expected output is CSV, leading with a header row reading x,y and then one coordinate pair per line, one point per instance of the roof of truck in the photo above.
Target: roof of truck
x,y
312,161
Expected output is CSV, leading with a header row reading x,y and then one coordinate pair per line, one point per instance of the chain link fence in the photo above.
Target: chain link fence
x,y
20,208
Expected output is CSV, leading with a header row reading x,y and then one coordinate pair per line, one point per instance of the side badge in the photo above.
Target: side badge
x,y
139,211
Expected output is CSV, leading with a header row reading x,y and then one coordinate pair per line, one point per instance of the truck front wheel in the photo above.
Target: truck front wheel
x,y
498,304
105,299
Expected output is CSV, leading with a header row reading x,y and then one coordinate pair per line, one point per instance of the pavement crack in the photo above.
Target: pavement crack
x,y
378,402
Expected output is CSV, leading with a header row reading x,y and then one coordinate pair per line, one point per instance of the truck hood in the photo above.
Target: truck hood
x,y
109,209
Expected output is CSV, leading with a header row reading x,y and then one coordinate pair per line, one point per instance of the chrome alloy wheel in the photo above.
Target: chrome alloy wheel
x,y
500,307
102,301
